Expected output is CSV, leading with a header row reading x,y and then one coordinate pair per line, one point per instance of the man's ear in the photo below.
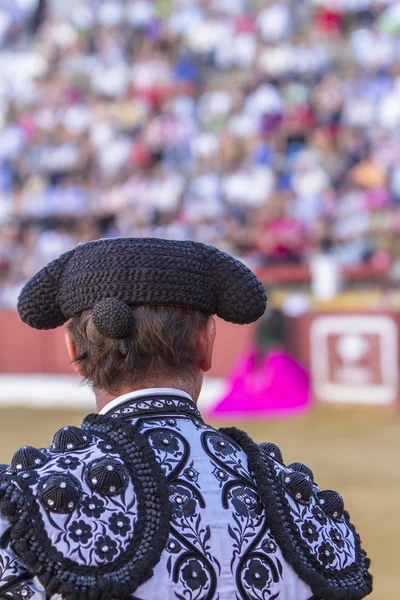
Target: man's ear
x,y
205,344
72,352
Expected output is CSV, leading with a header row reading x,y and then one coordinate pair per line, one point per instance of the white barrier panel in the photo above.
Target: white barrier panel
x,y
66,392
354,358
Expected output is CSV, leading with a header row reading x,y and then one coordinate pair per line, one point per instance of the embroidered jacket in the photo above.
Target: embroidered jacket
x,y
148,502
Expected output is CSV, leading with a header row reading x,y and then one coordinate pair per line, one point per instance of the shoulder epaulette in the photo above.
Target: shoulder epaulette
x,y
89,516
310,525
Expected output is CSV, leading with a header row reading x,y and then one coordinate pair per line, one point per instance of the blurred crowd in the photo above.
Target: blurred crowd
x,y
267,128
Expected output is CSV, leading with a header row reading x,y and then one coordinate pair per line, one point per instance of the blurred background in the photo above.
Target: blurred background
x,y
269,128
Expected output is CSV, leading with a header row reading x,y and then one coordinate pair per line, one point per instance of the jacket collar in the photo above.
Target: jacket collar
x,y
151,401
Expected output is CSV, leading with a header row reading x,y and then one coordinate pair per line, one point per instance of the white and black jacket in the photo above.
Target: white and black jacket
x,y
147,502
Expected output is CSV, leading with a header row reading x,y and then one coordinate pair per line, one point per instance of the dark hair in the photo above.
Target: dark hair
x,y
162,342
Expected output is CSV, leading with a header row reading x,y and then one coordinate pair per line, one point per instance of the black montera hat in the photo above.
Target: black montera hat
x,y
109,275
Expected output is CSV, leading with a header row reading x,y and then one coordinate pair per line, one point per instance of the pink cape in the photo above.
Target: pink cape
x,y
278,386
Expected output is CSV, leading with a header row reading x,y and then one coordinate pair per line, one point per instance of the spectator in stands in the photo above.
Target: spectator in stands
x,y
189,119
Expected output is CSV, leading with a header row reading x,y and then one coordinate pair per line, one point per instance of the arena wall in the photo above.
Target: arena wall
x,y
352,355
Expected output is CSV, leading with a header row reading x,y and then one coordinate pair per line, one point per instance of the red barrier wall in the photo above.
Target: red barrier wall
x,y
26,350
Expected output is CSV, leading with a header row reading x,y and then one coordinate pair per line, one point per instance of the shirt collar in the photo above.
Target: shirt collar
x,y
143,393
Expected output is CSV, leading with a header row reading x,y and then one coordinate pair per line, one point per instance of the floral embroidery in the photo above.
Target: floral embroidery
x,y
97,530
119,524
257,575
319,514
93,507
173,546
171,449
80,532
225,454
30,477
247,502
310,531
105,446
336,538
9,566
165,441
221,475
191,473
194,575
221,446
326,554
106,548
183,502
187,502
68,462
269,546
